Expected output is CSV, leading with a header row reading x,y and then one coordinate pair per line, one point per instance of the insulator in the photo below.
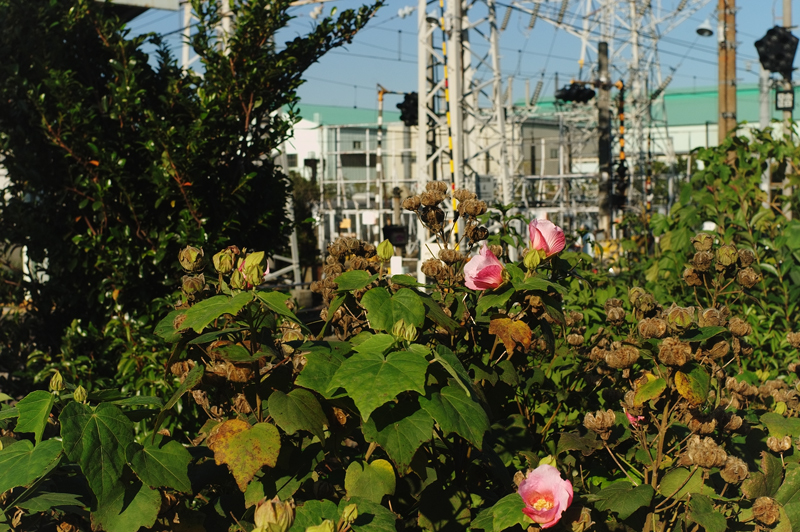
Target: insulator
x,y
682,5
562,11
506,18
661,87
537,91
534,15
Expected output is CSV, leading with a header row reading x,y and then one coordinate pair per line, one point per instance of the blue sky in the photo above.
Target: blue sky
x,y
385,51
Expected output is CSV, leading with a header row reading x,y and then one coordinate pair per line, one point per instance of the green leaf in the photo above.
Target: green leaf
x,y
780,426
297,410
370,481
139,400
406,280
536,283
701,511
372,380
5,397
648,391
45,501
694,384
276,302
450,362
203,313
493,299
789,492
437,315
507,513
191,380
312,513
680,482
22,463
127,509
570,441
703,333
334,306
353,280
383,310
163,463
96,438
323,359
766,482
213,335
622,498
166,327
399,430
375,343
372,517
34,411
235,353
9,412
455,412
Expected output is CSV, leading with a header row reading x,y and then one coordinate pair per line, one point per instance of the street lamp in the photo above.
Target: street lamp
x,y
705,29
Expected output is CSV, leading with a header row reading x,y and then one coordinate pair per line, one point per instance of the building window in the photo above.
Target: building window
x,y
554,153
356,144
291,160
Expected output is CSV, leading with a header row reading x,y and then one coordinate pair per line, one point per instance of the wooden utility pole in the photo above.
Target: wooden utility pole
x,y
727,68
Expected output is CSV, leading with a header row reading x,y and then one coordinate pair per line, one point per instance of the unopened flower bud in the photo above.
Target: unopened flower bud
x,y
350,514
80,394
224,260
56,382
191,259
385,250
532,259
238,281
273,515
254,267
702,242
326,526
193,284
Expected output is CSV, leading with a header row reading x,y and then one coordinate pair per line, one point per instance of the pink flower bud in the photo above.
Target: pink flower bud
x,y
483,271
546,236
546,495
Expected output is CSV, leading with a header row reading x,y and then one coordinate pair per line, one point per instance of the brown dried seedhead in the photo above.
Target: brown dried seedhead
x,y
703,452
600,422
673,352
652,328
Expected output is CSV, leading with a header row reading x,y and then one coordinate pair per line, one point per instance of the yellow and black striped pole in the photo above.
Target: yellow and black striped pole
x,y
447,114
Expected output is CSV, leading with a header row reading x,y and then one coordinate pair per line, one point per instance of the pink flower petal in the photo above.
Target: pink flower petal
x,y
546,495
483,271
546,236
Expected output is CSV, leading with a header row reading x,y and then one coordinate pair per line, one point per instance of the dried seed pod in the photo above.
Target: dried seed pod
x,y
434,268
478,233
412,203
710,317
600,422
652,328
431,199
575,339
738,327
734,423
680,319
472,207
747,277
735,470
718,350
766,511
726,256
779,445
462,195
701,424
612,302
702,242
702,261
615,316
433,217
692,277
450,256
705,453
574,318
673,352
623,357
746,258
598,353
793,338
436,186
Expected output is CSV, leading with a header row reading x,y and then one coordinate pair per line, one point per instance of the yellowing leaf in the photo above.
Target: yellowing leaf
x,y
693,385
245,449
511,333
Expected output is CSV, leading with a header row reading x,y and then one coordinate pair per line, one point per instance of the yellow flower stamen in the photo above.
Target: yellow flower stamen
x,y
542,504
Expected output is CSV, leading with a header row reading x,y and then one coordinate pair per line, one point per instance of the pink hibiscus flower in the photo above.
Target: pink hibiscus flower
x,y
546,237
546,495
483,271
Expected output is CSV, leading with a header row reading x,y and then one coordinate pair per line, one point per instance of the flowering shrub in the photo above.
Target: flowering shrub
x,y
541,396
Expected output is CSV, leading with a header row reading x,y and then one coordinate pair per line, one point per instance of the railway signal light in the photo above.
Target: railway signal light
x,y
776,51
408,109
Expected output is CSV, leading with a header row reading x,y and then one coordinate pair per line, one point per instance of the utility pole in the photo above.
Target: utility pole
x,y
604,147
727,69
